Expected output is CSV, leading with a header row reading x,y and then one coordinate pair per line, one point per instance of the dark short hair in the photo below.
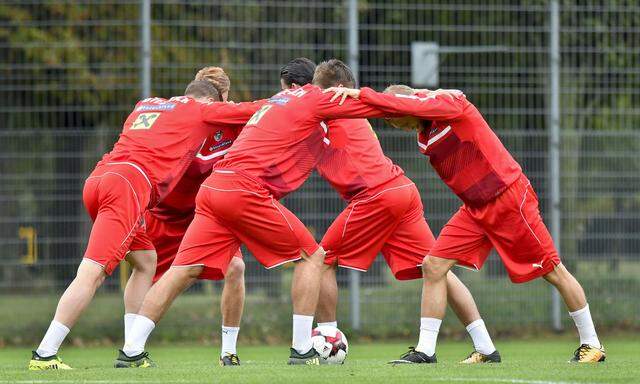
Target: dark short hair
x,y
298,71
333,72
201,88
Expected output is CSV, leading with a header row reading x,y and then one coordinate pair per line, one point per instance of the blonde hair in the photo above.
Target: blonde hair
x,y
400,89
217,77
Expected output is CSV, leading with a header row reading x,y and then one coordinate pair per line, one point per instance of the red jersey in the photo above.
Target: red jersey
x,y
180,203
282,142
353,161
162,136
461,146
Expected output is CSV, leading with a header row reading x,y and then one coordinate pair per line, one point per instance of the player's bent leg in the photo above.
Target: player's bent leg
x,y
74,301
464,306
590,349
305,289
432,310
328,299
232,305
143,268
154,306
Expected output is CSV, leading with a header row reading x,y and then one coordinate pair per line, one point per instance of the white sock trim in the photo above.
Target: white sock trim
x,y
579,311
474,325
328,324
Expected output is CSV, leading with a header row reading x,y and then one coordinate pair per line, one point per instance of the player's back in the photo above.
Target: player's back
x,y
353,161
160,136
468,156
281,143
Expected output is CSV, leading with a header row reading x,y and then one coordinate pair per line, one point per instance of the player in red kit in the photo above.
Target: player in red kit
x,y
384,212
158,141
500,210
238,203
167,223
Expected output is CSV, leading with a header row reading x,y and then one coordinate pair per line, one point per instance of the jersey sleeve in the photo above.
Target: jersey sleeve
x,y
230,113
440,107
351,108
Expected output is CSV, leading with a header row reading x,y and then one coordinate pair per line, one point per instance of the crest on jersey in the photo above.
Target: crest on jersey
x,y
218,136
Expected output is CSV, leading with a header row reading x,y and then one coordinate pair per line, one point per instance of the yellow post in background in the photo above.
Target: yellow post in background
x,y
31,236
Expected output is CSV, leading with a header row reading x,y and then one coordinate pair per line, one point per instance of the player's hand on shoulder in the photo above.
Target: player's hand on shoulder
x,y
343,93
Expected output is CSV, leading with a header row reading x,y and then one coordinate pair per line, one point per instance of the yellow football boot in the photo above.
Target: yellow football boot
x,y
39,363
588,354
478,358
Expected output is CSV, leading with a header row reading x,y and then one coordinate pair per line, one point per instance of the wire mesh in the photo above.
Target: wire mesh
x,y
70,72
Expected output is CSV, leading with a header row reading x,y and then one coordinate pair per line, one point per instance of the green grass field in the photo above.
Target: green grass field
x,y
525,362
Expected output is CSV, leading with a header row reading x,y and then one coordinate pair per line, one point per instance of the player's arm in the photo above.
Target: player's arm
x,y
433,106
351,108
229,112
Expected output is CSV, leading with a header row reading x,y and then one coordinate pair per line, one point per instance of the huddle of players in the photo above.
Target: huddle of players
x,y
194,176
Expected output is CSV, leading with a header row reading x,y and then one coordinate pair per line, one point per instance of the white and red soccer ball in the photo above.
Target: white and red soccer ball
x,y
331,344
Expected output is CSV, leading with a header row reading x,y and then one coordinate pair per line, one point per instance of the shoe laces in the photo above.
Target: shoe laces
x,y
475,357
233,358
411,351
582,351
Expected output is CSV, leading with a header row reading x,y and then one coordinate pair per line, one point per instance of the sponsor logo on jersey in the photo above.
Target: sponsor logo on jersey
x,y
279,100
158,107
218,136
220,145
145,121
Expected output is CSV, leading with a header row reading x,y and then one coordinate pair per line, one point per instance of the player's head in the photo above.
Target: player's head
x,y
202,90
218,78
296,73
333,73
406,123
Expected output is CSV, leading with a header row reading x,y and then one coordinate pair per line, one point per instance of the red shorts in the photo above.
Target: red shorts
x,y
512,224
115,196
165,237
389,219
232,209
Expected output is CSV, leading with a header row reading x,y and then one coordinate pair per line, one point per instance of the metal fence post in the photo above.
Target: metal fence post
x,y
353,58
554,147
145,45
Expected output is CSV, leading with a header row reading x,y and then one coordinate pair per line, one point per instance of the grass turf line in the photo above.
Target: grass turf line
x,y
525,362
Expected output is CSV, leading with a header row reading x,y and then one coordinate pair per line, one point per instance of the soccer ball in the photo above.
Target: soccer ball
x,y
330,343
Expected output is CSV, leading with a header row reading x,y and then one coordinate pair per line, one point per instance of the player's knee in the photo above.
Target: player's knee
x,y
558,275
90,273
184,273
317,257
235,271
434,268
143,261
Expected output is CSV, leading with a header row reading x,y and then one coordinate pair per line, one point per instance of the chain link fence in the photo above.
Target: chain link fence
x,y
70,72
